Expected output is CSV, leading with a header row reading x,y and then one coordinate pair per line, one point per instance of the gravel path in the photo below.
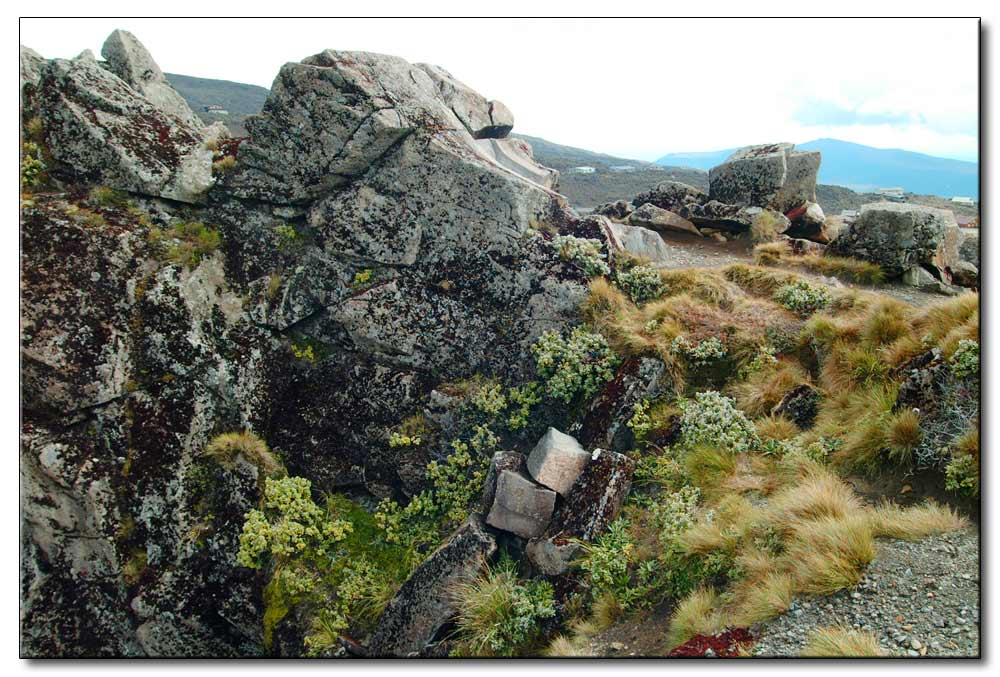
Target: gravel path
x,y
920,598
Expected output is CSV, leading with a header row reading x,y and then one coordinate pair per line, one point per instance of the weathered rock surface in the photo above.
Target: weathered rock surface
x,y
964,274
604,423
516,155
597,496
520,505
422,606
900,237
641,242
502,460
483,119
968,250
651,216
769,175
673,196
30,69
127,58
557,460
98,129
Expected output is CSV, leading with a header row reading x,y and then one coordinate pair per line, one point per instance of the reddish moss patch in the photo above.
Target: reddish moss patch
x,y
723,645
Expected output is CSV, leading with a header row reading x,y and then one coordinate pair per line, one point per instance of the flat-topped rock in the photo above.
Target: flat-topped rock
x,y
557,460
769,175
520,505
641,242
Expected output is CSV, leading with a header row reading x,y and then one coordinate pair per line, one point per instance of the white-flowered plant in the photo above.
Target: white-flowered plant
x,y
587,254
802,298
574,366
965,361
713,419
702,354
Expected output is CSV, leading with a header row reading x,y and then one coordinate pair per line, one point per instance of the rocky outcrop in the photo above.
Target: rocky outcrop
x,y
616,211
604,424
799,405
900,237
968,250
515,155
127,58
363,250
673,196
774,176
483,119
99,130
423,605
30,70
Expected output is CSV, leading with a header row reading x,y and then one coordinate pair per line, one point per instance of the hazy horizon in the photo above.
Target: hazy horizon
x,y
636,89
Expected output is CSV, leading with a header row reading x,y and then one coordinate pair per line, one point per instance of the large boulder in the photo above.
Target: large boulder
x,y
651,216
673,196
127,58
770,175
969,249
30,70
900,237
424,604
98,129
616,211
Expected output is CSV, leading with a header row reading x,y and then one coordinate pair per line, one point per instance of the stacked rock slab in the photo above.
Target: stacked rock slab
x,y
557,460
651,216
520,505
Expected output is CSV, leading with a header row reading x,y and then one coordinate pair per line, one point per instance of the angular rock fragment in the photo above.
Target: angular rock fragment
x,y
131,61
423,604
557,460
617,211
520,506
799,405
502,460
768,175
604,423
515,155
651,216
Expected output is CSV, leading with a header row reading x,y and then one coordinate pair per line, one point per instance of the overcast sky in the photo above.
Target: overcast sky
x,y
632,88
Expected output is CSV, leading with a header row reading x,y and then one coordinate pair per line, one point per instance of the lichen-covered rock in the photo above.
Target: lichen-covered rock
x,y
605,422
968,250
651,216
30,70
673,196
900,237
769,175
964,274
127,58
617,211
596,497
99,129
557,460
422,606
799,405
520,506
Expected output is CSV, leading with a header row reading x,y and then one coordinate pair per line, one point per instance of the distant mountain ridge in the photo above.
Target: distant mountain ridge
x,y
863,168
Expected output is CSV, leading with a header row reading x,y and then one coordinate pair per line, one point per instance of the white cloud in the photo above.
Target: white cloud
x,y
637,88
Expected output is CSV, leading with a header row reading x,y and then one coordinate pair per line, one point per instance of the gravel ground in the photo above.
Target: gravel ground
x,y
920,598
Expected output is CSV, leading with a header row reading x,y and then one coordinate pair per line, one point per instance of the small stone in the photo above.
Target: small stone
x,y
906,489
915,644
557,460
617,646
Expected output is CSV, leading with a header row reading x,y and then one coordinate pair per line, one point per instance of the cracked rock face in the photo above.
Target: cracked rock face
x,y
774,176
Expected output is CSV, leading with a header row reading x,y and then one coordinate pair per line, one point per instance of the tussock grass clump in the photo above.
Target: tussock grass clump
x,y
818,496
845,268
763,389
837,642
227,448
498,614
563,646
759,280
696,614
776,428
829,554
911,524
766,597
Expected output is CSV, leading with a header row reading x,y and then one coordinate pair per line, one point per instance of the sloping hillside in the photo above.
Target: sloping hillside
x,y
240,100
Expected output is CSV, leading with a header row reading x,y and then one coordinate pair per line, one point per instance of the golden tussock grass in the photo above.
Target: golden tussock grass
x,y
763,389
697,614
892,521
845,268
841,641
